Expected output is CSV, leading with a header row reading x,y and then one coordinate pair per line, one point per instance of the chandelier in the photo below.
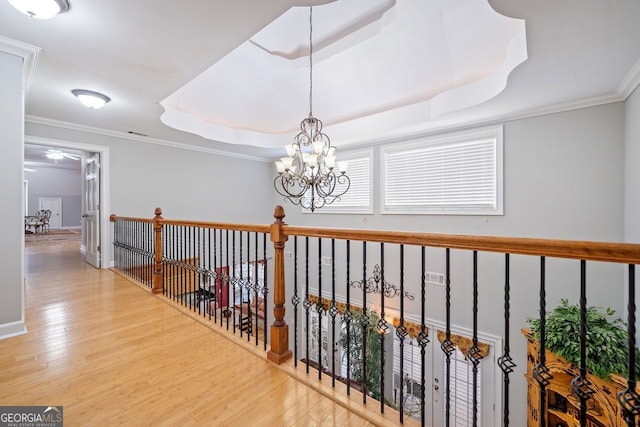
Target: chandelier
x,y
307,176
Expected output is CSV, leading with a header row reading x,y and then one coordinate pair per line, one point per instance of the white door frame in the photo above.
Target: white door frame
x,y
105,202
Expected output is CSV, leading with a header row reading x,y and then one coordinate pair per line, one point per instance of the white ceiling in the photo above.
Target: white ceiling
x,y
142,52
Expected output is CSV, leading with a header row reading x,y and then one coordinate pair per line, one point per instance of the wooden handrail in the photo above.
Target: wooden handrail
x,y
258,228
114,217
628,253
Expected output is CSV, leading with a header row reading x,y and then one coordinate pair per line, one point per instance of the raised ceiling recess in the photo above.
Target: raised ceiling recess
x,y
379,66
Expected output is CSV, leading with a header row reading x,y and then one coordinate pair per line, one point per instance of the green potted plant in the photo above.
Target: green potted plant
x,y
356,347
606,345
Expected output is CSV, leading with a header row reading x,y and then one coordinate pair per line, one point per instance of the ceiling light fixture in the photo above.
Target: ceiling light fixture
x,y
55,155
307,178
91,99
41,9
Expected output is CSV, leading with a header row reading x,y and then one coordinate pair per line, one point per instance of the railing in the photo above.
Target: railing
x,y
363,299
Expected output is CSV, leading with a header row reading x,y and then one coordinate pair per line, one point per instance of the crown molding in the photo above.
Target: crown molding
x,y
148,140
630,82
29,55
402,136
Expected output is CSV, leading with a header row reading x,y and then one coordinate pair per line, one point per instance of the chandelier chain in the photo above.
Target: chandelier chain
x,y
311,61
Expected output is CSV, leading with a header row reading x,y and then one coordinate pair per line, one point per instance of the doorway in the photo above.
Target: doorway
x,y
99,229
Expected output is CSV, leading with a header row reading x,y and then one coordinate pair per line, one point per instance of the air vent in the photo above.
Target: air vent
x,y
132,132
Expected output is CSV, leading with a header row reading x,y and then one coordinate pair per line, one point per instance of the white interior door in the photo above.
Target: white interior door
x,y
91,209
54,204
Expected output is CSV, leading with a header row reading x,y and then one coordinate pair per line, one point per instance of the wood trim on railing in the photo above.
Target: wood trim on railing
x,y
628,253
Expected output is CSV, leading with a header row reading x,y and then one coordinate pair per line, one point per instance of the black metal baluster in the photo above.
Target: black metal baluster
x,y
423,336
198,273
193,277
256,267
247,285
540,372
333,311
295,300
382,328
213,274
307,303
319,309
233,279
219,275
629,399
401,332
170,254
265,290
447,346
182,259
134,253
474,353
230,296
347,317
505,362
131,236
125,252
128,252
242,284
580,384
364,323
165,252
174,258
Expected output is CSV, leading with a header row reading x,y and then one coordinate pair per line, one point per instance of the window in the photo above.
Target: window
x,y
455,174
359,198
318,321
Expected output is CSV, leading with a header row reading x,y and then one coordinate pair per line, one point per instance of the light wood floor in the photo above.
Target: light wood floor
x,y
112,354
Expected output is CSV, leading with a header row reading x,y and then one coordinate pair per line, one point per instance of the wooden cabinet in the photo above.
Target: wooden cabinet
x,y
563,406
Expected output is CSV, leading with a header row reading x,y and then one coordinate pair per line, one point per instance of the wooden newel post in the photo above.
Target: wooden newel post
x,y
157,268
279,351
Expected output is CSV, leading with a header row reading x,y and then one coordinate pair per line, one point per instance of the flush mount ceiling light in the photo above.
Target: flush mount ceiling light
x,y
55,155
91,99
41,9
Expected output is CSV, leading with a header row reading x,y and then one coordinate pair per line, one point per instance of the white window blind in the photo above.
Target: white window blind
x,y
459,174
461,384
358,199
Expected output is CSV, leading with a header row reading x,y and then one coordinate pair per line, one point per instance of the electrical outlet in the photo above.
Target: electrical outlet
x,y
288,255
326,260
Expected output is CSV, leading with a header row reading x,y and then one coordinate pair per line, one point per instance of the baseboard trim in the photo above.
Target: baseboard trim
x,y
12,329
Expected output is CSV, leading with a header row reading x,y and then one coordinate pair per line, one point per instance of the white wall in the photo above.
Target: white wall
x,y
185,184
57,182
632,180
11,207
632,169
563,178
